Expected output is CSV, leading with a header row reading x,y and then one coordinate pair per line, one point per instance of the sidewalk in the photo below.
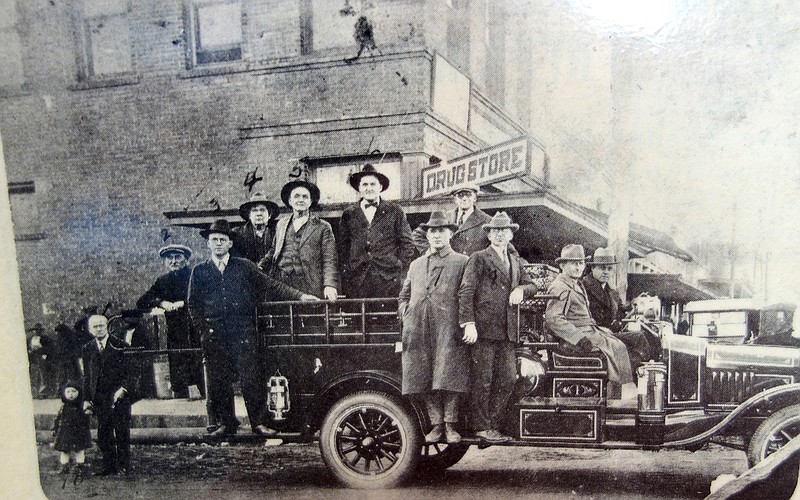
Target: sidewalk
x,y
158,421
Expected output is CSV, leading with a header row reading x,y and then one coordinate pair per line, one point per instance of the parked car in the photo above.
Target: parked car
x,y
335,370
741,321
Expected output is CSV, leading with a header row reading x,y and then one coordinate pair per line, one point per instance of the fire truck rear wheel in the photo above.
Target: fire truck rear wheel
x,y
774,433
438,457
370,440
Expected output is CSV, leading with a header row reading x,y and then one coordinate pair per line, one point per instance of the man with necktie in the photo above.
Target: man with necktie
x,y
494,282
374,240
469,236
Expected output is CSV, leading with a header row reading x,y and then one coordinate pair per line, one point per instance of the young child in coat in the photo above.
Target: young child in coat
x,y
71,428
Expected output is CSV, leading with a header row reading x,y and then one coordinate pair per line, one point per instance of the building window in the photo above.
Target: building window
x,y
106,37
216,31
25,211
10,46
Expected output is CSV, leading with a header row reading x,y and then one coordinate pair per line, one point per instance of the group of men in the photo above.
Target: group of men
x,y
456,300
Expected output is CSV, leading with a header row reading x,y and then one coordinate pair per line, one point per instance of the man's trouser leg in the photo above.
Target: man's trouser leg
x,y
433,403
450,402
121,419
638,348
221,376
105,435
254,385
483,360
503,378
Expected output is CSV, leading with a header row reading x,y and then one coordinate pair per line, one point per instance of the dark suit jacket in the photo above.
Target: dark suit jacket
x,y
223,307
172,287
249,246
105,373
483,295
385,245
318,256
467,239
605,307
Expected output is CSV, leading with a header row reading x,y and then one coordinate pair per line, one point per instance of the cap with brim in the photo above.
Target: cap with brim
x,y
468,187
438,219
602,257
571,253
220,226
286,191
368,169
501,220
174,248
258,199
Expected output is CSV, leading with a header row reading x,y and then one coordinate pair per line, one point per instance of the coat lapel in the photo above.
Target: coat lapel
x,y
311,225
498,262
280,235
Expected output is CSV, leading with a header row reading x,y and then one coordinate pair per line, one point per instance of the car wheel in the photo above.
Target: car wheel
x,y
439,456
774,433
370,440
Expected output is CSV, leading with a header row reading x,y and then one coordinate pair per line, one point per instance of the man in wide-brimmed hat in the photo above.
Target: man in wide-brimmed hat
x,y
223,294
374,239
304,253
469,236
607,309
494,281
254,240
169,293
435,356
568,318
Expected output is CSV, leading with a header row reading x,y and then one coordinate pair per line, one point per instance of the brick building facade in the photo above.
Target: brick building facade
x,y
115,112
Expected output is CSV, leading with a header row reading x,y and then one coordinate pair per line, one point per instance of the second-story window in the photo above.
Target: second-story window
x,y
106,38
217,31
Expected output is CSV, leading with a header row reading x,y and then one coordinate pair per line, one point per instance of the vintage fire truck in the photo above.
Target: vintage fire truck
x,y
335,370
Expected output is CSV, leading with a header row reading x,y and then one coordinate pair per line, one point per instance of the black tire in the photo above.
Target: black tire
x,y
773,433
370,440
440,456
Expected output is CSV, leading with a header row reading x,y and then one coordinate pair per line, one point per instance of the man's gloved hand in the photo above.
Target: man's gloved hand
x,y
585,345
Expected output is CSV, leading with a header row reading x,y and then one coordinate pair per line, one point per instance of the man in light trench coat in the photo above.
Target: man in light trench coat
x,y
435,356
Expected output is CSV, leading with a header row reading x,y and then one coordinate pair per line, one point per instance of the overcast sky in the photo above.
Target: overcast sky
x,y
699,100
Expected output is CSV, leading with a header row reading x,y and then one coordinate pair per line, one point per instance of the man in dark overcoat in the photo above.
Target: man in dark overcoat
x,y
224,292
469,236
374,239
494,282
568,318
253,241
607,309
169,293
435,357
109,380
304,254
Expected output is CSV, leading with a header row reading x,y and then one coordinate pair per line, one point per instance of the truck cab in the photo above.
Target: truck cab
x,y
741,321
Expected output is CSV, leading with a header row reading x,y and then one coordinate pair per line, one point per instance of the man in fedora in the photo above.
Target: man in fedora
x,y
569,319
304,255
254,240
169,293
469,236
607,310
223,294
494,282
435,357
374,239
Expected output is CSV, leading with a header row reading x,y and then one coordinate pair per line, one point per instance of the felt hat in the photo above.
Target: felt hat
x,y
602,256
467,187
438,219
501,220
571,253
258,199
290,186
220,226
368,169
175,248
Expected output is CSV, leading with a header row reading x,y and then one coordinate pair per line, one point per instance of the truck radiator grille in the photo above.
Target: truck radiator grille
x,y
725,386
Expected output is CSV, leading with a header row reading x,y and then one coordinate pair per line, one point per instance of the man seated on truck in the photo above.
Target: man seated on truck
x,y
568,318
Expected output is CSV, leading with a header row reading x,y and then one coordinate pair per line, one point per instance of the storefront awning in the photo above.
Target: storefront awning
x,y
669,287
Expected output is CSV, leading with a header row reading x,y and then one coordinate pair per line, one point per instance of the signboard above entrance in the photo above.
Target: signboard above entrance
x,y
497,163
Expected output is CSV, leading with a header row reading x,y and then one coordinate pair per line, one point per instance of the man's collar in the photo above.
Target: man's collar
x,y
500,251
224,259
375,202
442,252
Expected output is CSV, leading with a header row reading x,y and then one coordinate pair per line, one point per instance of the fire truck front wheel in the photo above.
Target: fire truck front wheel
x,y
370,440
773,433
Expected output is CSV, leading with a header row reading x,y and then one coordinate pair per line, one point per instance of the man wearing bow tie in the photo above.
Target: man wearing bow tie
x,y
375,246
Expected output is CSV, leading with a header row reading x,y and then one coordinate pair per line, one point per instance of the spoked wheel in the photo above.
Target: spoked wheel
x,y
440,456
774,433
369,440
